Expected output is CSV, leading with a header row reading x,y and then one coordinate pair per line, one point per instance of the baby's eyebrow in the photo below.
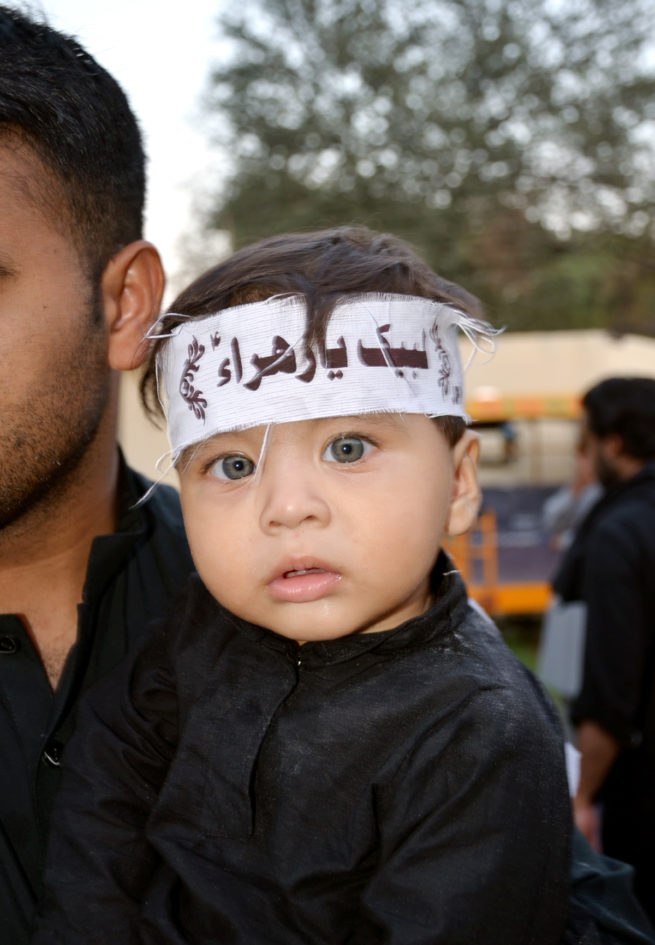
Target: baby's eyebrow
x,y
201,448
395,419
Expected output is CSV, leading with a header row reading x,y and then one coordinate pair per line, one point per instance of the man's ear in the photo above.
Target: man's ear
x,y
613,445
132,286
466,497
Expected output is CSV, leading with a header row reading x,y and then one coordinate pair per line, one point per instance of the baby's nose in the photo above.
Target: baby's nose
x,y
290,498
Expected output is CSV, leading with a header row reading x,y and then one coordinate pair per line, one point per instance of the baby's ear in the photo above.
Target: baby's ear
x,y
466,497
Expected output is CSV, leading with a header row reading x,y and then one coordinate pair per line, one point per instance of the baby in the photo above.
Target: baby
x,y
326,742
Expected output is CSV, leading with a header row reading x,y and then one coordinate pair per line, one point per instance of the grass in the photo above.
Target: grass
x,y
522,636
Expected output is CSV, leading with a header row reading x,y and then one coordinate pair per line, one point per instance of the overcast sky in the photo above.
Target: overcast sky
x,y
161,53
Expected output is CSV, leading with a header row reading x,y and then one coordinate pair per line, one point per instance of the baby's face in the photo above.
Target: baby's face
x,y
336,530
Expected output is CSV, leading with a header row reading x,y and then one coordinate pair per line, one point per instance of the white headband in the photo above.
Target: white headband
x,y
247,366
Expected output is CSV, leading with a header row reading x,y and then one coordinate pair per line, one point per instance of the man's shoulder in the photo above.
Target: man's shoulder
x,y
629,516
165,506
155,555
150,494
158,502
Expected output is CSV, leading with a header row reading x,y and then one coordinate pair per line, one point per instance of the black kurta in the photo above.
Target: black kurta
x,y
403,787
131,578
611,566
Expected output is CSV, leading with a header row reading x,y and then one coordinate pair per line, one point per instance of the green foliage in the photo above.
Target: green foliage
x,y
511,141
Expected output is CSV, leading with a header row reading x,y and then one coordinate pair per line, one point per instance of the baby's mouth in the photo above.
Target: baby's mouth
x,y
303,585
299,573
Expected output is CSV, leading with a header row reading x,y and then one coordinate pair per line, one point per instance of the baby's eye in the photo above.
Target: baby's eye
x,y
346,449
234,466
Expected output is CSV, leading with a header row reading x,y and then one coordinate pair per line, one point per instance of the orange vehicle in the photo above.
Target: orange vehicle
x,y
476,557
507,559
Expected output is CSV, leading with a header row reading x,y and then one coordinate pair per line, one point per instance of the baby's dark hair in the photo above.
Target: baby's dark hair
x,y
57,100
323,267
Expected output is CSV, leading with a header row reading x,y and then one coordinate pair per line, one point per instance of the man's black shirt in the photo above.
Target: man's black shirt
x,y
131,578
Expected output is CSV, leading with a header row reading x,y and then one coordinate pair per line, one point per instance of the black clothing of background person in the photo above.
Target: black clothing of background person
x,y
611,566
131,578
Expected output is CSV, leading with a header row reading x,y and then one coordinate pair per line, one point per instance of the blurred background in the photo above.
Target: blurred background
x,y
512,142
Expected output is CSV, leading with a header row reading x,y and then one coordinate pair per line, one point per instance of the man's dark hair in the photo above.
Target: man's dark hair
x,y
624,406
55,98
324,267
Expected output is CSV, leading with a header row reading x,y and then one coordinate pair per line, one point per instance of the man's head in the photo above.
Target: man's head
x,y
75,117
78,288
619,426
300,379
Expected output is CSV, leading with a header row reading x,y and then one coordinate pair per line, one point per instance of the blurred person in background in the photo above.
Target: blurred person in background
x,y
610,567
566,508
561,642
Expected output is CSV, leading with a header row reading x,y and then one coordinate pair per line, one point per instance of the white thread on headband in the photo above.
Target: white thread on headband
x,y
248,365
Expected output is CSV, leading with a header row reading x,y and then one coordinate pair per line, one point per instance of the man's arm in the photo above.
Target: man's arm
x,y
618,632
606,713
599,750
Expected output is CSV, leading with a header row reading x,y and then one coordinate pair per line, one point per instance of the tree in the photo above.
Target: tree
x,y
492,134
